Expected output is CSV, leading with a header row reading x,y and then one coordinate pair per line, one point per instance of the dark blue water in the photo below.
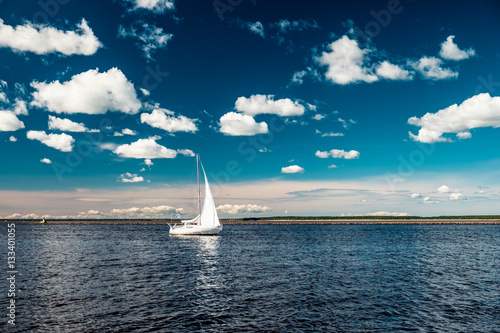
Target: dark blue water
x,y
135,278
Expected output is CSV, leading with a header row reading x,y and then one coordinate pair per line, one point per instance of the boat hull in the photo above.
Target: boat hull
x,y
195,230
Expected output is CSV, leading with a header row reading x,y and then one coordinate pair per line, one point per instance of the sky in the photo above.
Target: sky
x,y
388,108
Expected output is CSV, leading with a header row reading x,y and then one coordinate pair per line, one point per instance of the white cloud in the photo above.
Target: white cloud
x,y
292,169
319,116
345,62
125,131
130,178
43,39
443,189
145,148
457,196
240,209
155,6
256,28
20,107
338,153
146,212
3,97
12,138
62,142
383,213
331,134
148,162
145,92
237,124
430,68
429,200
89,92
46,161
186,152
286,26
415,195
265,104
450,51
165,119
332,166
478,111
9,122
150,38
389,71
66,125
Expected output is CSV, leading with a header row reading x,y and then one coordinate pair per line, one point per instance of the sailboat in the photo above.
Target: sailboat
x,y
207,222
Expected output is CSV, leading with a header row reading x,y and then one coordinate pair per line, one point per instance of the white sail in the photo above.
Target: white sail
x,y
207,222
208,216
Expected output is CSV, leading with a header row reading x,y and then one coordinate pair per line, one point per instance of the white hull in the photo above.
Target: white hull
x,y
194,230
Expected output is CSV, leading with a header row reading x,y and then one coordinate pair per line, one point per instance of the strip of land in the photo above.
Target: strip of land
x,y
282,221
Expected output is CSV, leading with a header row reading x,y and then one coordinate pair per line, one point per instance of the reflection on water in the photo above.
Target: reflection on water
x,y
123,278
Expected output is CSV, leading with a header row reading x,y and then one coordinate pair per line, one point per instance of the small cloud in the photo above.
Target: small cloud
x,y
319,116
415,195
430,68
332,166
428,200
130,178
46,161
237,124
443,189
338,153
292,169
450,51
457,196
148,162
12,138
62,142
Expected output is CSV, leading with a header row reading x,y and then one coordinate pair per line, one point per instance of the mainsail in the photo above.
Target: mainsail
x,y
208,215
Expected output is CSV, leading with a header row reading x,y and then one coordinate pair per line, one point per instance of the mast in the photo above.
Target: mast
x,y
199,186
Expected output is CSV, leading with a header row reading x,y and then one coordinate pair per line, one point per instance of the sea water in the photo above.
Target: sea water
x,y
268,278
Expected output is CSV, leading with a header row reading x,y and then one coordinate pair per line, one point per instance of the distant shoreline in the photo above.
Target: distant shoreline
x,y
392,221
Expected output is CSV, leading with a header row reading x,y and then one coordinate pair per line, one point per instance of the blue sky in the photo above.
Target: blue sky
x,y
349,107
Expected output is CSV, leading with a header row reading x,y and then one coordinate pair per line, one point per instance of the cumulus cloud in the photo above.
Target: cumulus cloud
x,y
46,161
390,71
338,153
478,111
254,27
443,189
20,107
44,39
166,120
265,104
125,131
150,38
9,122
186,152
345,62
66,125
292,169
12,138
239,209
319,116
129,178
430,68
457,196
148,149
450,51
62,142
415,195
89,92
155,6
237,124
